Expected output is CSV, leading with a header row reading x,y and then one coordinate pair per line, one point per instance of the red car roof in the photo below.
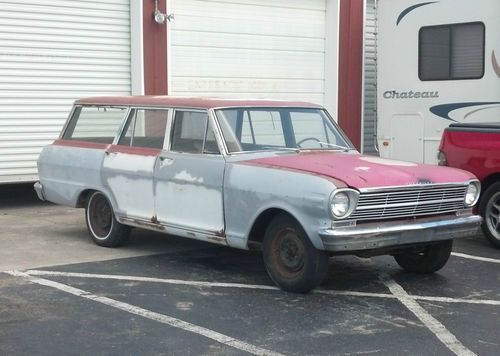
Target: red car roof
x,y
204,103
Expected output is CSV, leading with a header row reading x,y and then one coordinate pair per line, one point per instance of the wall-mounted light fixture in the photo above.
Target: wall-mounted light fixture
x,y
160,17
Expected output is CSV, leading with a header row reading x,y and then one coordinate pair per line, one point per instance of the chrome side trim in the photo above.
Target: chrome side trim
x,y
198,234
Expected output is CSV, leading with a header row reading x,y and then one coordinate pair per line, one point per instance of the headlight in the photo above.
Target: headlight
x,y
343,203
472,193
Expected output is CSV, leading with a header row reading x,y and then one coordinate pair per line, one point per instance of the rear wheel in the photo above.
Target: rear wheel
x,y
291,260
489,209
428,259
101,222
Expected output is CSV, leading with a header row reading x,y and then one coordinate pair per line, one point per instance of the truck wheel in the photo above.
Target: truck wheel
x,y
291,260
101,222
428,260
489,209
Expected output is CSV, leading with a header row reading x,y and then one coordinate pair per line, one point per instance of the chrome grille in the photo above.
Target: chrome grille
x,y
409,202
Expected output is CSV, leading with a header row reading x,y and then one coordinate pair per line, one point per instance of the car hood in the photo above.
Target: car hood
x,y
359,171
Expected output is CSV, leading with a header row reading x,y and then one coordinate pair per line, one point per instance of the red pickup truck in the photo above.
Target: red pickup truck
x,y
476,148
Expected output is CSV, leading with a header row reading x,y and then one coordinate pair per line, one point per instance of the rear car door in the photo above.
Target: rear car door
x,y
128,166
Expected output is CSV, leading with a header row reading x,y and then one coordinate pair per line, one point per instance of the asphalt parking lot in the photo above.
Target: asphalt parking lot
x,y
61,294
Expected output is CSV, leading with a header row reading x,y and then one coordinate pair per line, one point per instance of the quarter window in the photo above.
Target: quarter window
x,y
94,124
451,52
145,128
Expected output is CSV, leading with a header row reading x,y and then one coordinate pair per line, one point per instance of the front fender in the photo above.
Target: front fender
x,y
251,190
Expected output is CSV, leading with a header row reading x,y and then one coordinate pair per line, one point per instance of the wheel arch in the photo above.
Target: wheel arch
x,y
262,221
83,197
489,180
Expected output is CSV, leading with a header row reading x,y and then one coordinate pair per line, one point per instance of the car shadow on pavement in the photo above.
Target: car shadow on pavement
x,y
19,195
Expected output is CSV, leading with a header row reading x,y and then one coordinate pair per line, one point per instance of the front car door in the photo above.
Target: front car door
x,y
129,163
189,179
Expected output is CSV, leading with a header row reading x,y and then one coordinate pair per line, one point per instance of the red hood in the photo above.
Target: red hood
x,y
360,171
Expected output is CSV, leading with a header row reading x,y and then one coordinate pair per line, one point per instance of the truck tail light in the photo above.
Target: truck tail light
x,y
442,159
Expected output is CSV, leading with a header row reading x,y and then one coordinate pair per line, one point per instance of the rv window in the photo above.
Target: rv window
x,y
451,52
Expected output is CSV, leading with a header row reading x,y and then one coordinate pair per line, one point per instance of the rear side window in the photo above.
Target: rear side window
x,y
95,124
451,52
145,128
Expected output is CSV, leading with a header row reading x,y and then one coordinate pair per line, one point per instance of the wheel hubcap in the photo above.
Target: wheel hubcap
x,y
492,215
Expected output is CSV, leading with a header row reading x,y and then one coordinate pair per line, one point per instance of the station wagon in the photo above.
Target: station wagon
x,y
276,176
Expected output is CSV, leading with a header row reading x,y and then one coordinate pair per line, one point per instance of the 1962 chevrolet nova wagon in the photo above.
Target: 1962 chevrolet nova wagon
x,y
280,176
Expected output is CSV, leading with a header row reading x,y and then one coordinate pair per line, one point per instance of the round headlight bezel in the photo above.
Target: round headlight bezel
x,y
474,188
351,196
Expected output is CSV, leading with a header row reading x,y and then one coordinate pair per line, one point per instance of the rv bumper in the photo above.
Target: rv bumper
x,y
39,191
393,234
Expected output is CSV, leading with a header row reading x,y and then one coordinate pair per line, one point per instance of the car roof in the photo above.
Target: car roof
x,y
188,102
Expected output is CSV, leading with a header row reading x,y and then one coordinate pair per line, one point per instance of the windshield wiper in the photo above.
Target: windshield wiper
x,y
332,145
290,149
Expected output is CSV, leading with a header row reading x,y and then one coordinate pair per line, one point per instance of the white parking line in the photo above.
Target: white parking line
x,y
149,279
456,300
438,329
165,319
250,286
477,258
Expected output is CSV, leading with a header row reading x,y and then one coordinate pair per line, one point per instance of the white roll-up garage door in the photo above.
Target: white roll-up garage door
x,y
255,48
51,53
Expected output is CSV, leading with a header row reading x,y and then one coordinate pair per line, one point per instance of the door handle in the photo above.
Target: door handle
x,y
165,160
107,153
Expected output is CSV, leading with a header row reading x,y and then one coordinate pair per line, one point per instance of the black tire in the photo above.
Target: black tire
x,y
291,260
101,222
489,209
428,259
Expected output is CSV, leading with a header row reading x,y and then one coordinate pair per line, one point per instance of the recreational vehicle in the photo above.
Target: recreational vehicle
x,y
438,63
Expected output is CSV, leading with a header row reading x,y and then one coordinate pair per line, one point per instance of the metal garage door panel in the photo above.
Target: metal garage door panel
x,y
51,53
370,79
272,49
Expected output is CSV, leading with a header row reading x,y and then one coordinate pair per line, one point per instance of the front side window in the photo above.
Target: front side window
x,y
145,128
95,124
451,52
247,129
192,133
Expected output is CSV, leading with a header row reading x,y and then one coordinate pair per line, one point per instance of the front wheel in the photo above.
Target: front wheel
x,y
428,259
291,260
101,222
489,209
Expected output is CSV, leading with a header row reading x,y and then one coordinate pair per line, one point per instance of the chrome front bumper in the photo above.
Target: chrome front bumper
x,y
393,234
39,191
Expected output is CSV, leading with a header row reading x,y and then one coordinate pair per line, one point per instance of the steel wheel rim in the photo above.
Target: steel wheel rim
x,y
288,252
100,216
492,216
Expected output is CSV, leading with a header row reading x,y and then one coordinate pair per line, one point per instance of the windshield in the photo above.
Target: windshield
x,y
255,129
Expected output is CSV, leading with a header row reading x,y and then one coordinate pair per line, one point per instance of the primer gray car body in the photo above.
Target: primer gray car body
x,y
207,191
